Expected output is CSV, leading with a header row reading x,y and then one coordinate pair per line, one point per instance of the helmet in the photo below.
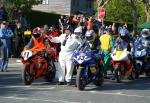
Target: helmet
x,y
78,30
107,31
89,35
145,32
123,32
37,32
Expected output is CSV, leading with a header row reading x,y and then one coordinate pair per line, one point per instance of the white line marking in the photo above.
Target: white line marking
x,y
43,100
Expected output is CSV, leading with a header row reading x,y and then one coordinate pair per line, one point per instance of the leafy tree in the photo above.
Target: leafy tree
x,y
147,8
118,10
24,6
133,5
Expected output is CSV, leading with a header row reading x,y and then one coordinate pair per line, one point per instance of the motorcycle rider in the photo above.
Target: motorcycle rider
x,y
123,41
94,44
144,36
106,42
93,40
69,43
38,42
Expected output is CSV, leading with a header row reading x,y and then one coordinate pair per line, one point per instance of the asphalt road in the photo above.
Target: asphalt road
x,y
13,90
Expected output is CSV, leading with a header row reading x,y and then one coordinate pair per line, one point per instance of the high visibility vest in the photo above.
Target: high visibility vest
x,y
105,42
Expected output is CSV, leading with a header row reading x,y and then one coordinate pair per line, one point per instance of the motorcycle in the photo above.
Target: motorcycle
x,y
141,58
119,58
87,68
36,65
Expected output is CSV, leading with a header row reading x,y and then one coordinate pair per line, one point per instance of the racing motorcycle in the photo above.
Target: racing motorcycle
x,y
142,58
36,65
88,70
119,58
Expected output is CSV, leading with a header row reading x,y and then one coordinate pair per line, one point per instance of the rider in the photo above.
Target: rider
x,y
123,41
94,44
144,36
93,40
38,42
106,46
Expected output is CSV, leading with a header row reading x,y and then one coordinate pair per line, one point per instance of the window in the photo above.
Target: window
x,y
45,2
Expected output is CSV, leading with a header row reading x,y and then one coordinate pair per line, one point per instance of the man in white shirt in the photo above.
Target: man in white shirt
x,y
69,42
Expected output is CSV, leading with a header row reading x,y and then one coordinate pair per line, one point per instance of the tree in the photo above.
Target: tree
x,y
133,5
147,9
118,11
24,6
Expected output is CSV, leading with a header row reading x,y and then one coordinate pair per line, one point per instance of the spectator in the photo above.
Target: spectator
x,y
46,29
5,38
18,39
90,24
2,13
54,33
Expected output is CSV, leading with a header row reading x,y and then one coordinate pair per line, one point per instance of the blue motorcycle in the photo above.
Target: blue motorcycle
x,y
142,57
88,69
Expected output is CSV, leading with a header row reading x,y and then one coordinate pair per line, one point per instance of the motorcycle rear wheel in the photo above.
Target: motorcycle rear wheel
x,y
80,80
26,76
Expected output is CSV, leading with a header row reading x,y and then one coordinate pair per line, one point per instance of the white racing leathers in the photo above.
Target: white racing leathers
x,y
66,55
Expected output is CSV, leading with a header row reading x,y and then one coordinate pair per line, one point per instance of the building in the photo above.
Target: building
x,y
66,7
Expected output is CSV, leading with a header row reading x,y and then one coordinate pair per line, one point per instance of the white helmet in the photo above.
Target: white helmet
x,y
145,32
78,30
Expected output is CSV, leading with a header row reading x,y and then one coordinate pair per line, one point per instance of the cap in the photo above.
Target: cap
x,y
4,22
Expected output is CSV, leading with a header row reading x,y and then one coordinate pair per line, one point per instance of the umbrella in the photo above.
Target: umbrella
x,y
144,25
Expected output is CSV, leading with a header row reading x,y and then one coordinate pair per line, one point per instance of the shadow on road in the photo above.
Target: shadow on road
x,y
142,83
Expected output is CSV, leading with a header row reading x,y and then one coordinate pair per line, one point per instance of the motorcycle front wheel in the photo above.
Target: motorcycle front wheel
x,y
80,79
26,76
118,75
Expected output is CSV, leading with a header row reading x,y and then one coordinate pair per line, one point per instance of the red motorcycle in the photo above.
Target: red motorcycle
x,y
37,64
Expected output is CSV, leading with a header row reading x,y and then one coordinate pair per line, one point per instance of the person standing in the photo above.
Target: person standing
x,y
5,38
18,39
106,42
69,42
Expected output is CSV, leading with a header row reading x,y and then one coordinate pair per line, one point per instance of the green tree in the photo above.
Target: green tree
x,y
24,6
147,9
118,10
122,11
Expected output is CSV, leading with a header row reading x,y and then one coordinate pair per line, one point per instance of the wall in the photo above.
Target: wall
x,y
57,6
